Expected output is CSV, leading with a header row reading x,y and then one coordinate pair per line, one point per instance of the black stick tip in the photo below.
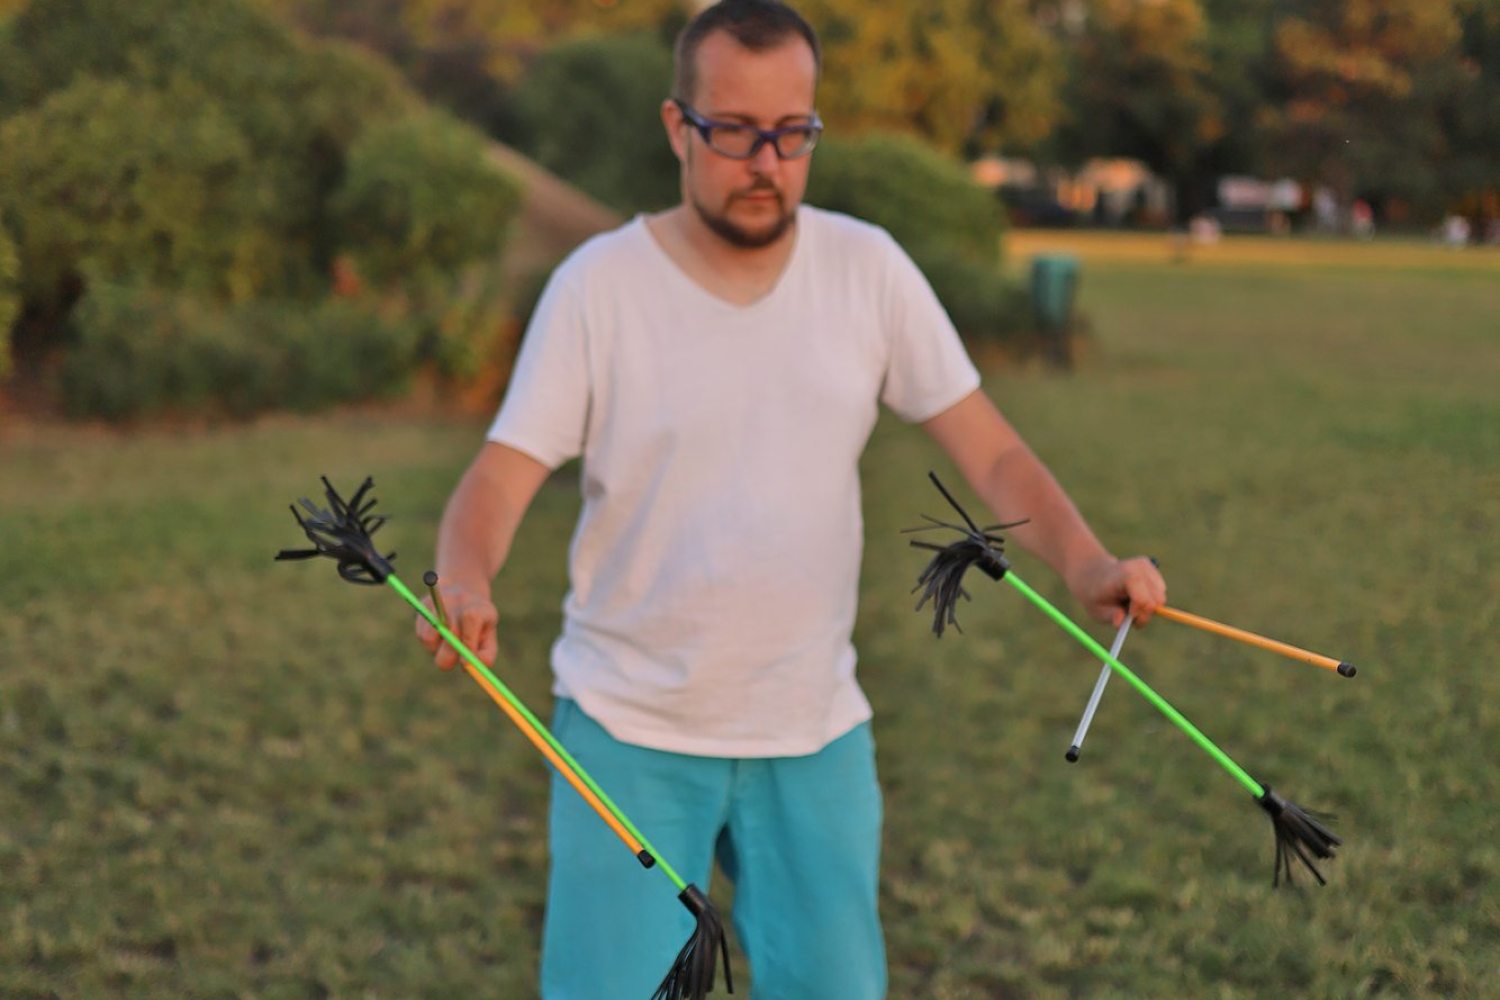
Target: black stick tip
x,y
430,578
1301,835
1072,754
692,974
1347,669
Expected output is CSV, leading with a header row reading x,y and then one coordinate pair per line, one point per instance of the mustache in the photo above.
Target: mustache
x,y
760,184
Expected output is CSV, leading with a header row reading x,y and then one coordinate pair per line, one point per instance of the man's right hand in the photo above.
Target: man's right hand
x,y
471,616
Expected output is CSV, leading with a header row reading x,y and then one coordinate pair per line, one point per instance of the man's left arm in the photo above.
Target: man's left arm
x,y
1013,483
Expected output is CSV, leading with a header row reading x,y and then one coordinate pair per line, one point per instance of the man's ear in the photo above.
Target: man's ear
x,y
673,121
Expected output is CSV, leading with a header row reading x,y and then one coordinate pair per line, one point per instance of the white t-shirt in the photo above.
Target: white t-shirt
x,y
715,566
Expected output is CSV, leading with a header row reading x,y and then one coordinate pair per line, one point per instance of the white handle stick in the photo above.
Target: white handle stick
x,y
1088,713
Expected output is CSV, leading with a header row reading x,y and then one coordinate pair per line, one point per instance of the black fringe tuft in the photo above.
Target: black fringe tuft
x,y
942,581
692,974
1298,832
342,532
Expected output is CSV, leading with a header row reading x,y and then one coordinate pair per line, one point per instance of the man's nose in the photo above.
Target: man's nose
x,y
765,160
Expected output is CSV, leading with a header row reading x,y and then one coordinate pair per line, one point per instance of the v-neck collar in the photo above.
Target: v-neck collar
x,y
792,260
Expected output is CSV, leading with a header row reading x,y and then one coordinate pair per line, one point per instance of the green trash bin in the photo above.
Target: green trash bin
x,y
1054,284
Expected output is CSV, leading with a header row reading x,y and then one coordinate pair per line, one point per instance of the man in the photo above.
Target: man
x,y
718,367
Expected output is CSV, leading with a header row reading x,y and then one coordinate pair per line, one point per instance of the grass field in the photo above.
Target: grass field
x,y
221,777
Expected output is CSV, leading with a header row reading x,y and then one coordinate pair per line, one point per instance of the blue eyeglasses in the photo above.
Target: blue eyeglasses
x,y
739,141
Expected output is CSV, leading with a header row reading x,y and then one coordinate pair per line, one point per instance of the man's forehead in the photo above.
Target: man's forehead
x,y
780,80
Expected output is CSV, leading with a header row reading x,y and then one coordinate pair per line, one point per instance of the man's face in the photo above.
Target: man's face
x,y
749,203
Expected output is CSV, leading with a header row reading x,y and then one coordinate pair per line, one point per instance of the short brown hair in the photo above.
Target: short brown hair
x,y
756,24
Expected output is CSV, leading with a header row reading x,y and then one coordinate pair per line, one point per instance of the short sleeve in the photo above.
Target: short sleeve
x,y
545,411
928,369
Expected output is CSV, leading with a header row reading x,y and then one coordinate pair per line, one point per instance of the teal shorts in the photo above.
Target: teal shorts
x,y
798,836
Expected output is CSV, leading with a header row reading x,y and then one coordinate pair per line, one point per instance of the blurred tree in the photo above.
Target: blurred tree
x,y
134,181
468,55
497,37
930,204
965,74
923,197
10,297
589,112
297,106
1355,91
1240,34
520,30
1196,88
420,198
1469,102
1140,84
218,44
194,147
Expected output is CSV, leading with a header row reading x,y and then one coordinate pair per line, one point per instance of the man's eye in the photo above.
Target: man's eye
x,y
733,136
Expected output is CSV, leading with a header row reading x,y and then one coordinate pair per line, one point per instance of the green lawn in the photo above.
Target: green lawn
x,y
224,777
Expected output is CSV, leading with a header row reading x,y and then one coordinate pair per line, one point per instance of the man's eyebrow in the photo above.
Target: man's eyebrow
x,y
800,117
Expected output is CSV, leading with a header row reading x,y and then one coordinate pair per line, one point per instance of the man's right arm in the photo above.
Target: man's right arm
x,y
474,539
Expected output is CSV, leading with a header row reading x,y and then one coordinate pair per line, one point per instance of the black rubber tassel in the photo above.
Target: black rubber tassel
x,y
692,974
342,532
1299,832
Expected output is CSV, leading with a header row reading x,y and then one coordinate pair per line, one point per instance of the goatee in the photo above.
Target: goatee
x,y
739,236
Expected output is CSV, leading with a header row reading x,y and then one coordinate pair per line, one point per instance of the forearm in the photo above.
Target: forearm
x,y
1016,485
483,515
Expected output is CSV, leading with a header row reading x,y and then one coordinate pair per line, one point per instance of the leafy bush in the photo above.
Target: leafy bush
x,y
589,111
950,225
982,303
219,44
10,297
135,181
9,60
194,156
461,320
464,317
283,91
924,198
529,289
144,351
282,111
421,196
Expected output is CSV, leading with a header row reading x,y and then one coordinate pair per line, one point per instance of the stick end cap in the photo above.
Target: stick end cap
x,y
1072,755
1347,670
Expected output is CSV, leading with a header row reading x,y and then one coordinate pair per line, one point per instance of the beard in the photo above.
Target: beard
x,y
740,236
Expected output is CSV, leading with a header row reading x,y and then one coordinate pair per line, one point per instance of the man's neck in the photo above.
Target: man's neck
x,y
740,275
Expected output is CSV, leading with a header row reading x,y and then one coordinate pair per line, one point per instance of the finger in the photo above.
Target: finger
x,y
445,657
473,619
1146,590
475,626
426,634
488,647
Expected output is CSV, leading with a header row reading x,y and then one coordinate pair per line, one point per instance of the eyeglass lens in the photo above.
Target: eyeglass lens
x,y
743,142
